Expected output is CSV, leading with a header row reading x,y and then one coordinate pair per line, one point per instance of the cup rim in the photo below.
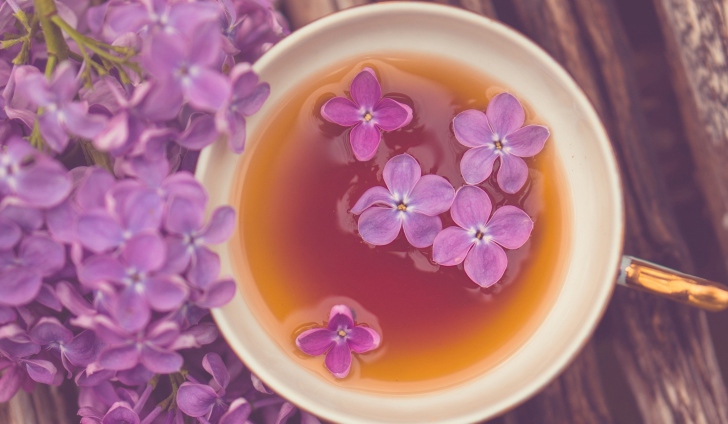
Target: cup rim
x,y
581,338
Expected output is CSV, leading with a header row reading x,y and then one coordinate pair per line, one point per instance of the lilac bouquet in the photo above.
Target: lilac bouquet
x,y
106,275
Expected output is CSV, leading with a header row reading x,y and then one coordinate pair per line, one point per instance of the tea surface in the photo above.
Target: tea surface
x,y
301,246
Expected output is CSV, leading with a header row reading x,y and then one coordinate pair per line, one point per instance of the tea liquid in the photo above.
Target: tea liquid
x,y
303,251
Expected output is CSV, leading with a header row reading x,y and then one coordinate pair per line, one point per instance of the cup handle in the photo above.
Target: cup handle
x,y
657,279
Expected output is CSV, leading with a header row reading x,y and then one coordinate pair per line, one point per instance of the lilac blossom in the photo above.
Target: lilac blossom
x,y
479,238
61,115
75,351
175,18
368,114
337,340
410,200
498,133
22,269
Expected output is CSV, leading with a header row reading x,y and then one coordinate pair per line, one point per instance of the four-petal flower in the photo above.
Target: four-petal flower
x,y
477,240
368,114
498,133
410,201
337,340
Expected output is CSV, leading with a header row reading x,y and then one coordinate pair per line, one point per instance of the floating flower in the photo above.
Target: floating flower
x,y
498,133
368,114
337,340
410,201
477,240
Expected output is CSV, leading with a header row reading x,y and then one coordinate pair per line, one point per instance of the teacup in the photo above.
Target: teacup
x,y
595,211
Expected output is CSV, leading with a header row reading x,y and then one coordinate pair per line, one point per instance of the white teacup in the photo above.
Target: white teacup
x,y
592,185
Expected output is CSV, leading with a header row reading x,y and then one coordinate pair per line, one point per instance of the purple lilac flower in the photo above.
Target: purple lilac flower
x,y
61,115
22,269
75,351
176,18
337,340
368,113
479,238
248,95
498,133
410,201
19,365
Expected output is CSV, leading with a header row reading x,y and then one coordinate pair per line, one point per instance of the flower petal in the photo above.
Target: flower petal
x,y
18,286
204,267
220,227
41,371
505,114
365,89
49,330
120,413
99,232
79,122
100,268
213,364
363,339
341,111
161,361
183,216
238,413
510,227
421,229
400,174
142,210
316,341
390,115
195,400
477,164
163,100
451,246
145,252
486,263
10,233
471,207
164,294
45,184
252,103
208,90
340,316
379,226
200,132
83,349
9,383
512,174
130,309
432,195
338,360
472,129
217,294
526,141
364,139
92,189
52,131
122,357
42,254
374,196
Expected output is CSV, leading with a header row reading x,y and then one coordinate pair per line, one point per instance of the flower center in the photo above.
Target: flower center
x,y
498,144
479,235
401,207
368,116
341,333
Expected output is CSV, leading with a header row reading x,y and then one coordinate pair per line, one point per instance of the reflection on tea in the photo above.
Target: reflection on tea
x,y
301,243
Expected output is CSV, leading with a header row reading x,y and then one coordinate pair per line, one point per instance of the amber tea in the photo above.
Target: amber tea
x,y
301,243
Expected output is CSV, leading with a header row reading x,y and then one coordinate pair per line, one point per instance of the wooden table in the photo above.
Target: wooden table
x,y
657,73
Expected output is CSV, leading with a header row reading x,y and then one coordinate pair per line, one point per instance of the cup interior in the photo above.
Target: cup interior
x,y
591,181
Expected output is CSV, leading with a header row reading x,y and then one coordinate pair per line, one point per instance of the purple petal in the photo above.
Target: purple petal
x,y
204,47
231,126
220,227
32,85
49,330
52,131
164,294
213,364
420,229
183,216
130,309
252,103
7,315
374,196
120,413
363,339
145,252
379,226
316,341
486,263
27,218
205,267
61,221
41,371
83,349
162,333
451,246
477,164
92,189
121,357
72,300
195,400
472,129
184,184
400,174
365,89
47,297
200,132
161,361
9,384
505,114
527,141
63,84
163,100
471,207
512,174
239,412
18,286
208,90
338,360
45,184
165,55
115,134
391,115
432,195
99,232
287,411
510,227
42,254
179,253
217,294
340,316
10,233
143,210
80,123
341,111
364,139
100,268
123,18
244,80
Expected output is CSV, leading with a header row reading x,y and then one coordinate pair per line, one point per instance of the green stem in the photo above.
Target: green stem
x,y
55,44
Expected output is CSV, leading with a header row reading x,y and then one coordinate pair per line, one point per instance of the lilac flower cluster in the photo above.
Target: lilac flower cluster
x,y
106,271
